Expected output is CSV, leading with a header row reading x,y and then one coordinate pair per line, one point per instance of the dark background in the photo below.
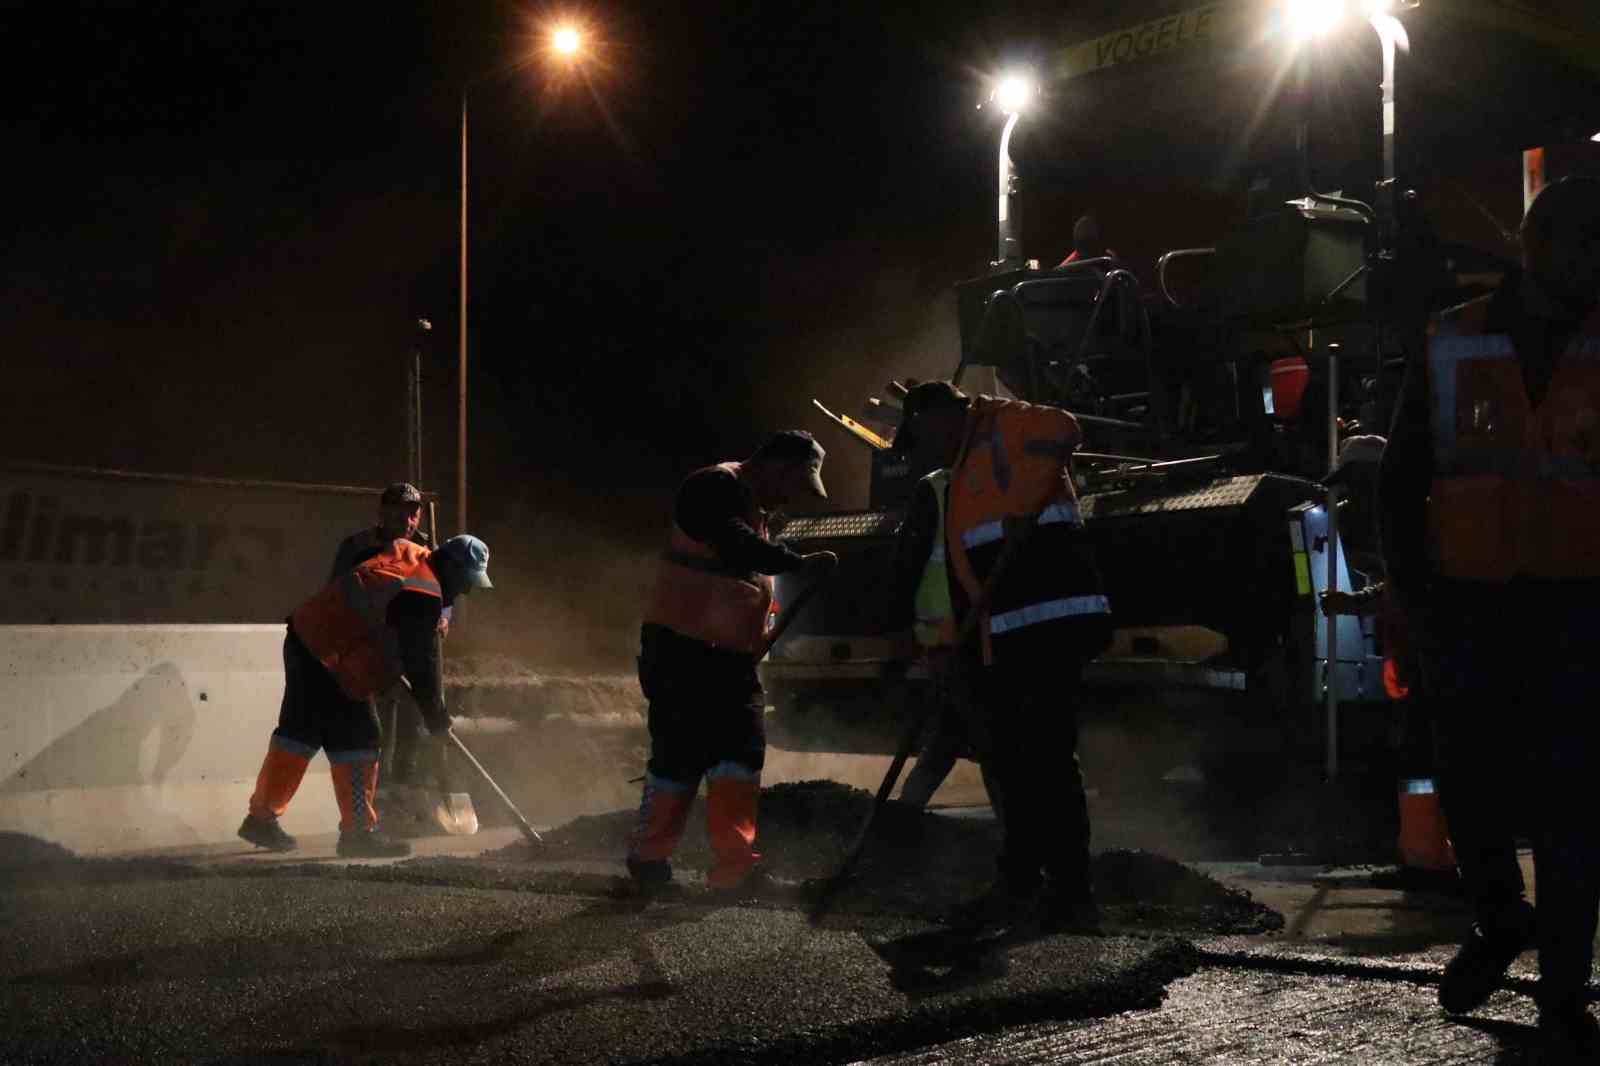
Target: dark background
x,y
226,218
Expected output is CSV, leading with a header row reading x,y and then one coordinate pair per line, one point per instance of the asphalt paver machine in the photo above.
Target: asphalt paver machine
x,y
1215,383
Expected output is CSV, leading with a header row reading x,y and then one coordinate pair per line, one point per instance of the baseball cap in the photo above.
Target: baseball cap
x,y
799,447
400,492
467,556
1355,453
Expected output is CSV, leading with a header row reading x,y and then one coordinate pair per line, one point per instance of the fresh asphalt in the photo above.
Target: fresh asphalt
x,y
224,958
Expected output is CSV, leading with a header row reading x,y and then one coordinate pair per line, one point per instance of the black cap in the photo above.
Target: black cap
x,y
400,492
799,447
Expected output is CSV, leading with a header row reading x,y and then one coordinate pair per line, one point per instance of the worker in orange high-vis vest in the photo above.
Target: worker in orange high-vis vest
x,y
355,639
1045,616
705,628
1490,501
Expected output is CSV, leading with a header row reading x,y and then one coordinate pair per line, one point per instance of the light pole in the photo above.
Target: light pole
x,y
1012,96
566,43
1309,19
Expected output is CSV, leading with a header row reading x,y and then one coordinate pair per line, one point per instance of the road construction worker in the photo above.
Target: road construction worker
x,y
1019,560
920,599
399,518
1490,501
357,638
1086,242
704,629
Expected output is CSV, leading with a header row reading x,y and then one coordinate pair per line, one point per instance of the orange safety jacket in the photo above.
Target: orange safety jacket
x,y
697,596
1013,464
346,627
1516,487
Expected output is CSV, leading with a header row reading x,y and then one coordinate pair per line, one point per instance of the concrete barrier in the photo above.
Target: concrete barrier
x,y
118,738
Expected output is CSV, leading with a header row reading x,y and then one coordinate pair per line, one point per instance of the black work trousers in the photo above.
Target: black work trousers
x,y
1030,710
699,719
1514,683
316,714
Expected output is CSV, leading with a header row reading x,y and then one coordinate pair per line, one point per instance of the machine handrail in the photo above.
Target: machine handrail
x,y
1161,269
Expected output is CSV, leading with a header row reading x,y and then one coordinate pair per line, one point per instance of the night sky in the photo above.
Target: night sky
x,y
226,218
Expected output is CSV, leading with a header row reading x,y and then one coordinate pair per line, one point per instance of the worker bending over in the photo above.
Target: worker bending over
x,y
1490,499
704,630
1018,557
355,639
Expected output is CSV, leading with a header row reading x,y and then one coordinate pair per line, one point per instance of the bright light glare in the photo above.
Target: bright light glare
x,y
1014,93
566,41
1312,18
1596,137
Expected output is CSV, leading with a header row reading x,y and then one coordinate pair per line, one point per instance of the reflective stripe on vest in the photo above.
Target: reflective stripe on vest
x,y
1516,488
989,532
697,596
1013,464
346,627
1048,611
935,616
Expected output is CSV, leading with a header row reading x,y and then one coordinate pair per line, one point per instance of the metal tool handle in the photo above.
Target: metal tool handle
x,y
786,619
1015,536
522,823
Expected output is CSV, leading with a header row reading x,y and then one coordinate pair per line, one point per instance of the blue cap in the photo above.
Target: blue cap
x,y
468,557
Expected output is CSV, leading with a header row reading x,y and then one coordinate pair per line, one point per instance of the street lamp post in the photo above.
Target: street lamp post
x,y
461,342
1308,19
1012,95
567,43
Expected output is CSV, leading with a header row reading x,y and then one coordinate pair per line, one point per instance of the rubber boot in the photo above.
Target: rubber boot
x,y
663,814
732,791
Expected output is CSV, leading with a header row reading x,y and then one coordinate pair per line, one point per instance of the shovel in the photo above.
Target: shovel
x,y
1015,535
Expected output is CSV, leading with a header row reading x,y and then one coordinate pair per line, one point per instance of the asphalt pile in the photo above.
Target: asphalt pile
x,y
917,863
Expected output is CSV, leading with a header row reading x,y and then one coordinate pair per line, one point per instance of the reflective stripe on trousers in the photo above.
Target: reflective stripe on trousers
x,y
1048,611
989,532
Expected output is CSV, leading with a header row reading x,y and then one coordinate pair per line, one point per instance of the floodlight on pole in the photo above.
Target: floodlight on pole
x,y
1310,19
1012,95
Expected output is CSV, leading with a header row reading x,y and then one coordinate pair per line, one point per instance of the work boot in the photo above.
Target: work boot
x,y
1472,976
1568,1032
650,877
370,844
266,833
1003,904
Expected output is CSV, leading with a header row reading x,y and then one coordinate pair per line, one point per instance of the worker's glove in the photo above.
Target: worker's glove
x,y
1336,602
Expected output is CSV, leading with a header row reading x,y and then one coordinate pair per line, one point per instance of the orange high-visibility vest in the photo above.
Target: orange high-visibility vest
x,y
1516,488
346,626
1013,464
697,596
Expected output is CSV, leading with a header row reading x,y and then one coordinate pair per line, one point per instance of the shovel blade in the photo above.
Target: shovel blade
x,y
454,813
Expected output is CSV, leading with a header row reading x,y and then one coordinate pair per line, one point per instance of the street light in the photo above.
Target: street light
x,y
1305,21
1012,94
566,41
